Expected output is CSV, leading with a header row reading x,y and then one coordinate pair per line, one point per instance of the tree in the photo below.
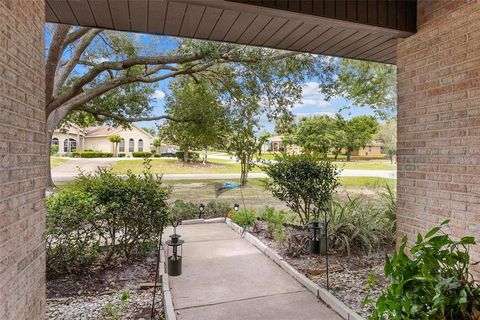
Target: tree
x,y
198,102
284,124
339,136
157,144
262,139
302,182
388,134
115,139
110,75
151,131
314,134
359,131
365,84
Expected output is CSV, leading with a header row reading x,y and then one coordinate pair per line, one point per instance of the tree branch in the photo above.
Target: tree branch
x,y
75,35
100,114
53,58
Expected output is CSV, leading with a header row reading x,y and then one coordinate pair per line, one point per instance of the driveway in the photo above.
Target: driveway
x,y
69,170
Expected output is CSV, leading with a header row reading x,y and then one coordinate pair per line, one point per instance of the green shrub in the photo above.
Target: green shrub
x,y
92,154
356,223
192,156
126,214
302,182
215,209
53,150
244,218
275,221
71,231
141,154
121,155
183,210
433,281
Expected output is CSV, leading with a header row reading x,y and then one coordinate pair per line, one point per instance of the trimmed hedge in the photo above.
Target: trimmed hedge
x,y
92,154
143,154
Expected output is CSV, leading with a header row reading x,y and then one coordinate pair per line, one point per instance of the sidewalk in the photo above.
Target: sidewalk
x,y
225,277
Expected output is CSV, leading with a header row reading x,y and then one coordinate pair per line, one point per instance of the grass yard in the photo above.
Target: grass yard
x,y
173,166
55,161
367,165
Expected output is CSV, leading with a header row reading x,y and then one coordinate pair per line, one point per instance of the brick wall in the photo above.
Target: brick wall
x,y
439,121
22,160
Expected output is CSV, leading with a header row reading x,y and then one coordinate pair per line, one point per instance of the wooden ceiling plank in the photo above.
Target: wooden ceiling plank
x,y
224,23
373,51
352,10
157,10
384,52
349,41
240,25
372,12
327,35
317,7
300,32
63,12
333,41
138,15
362,12
401,11
174,18
388,57
254,29
382,11
82,12
207,23
101,13
282,33
329,8
49,14
294,5
307,38
193,16
306,6
367,46
120,14
341,9
392,14
271,28
357,44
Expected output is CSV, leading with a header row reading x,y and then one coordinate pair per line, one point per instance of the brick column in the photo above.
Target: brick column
x,y
22,160
439,121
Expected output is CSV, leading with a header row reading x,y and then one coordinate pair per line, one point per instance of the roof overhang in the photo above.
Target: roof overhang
x,y
358,29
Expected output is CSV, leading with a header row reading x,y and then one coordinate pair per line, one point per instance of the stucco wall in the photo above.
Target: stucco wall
x,y
22,160
439,121
104,145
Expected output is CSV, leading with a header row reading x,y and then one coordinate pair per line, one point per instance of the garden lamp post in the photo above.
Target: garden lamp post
x,y
201,210
315,228
175,259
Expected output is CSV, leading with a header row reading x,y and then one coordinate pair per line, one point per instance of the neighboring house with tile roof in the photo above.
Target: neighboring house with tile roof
x,y
74,138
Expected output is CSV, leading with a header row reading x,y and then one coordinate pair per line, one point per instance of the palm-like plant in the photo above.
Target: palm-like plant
x,y
115,139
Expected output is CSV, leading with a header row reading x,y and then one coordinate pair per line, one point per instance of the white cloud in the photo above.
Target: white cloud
x,y
311,96
158,94
311,114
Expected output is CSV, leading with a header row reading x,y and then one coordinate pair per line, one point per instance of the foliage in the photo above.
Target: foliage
x,y
198,103
115,139
366,84
71,231
285,123
157,144
142,154
92,154
215,209
192,156
388,201
358,132
53,150
432,281
150,131
302,182
314,134
275,220
244,218
124,214
183,210
357,224
388,134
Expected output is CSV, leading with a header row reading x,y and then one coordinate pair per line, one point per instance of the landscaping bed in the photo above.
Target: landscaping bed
x,y
112,293
351,278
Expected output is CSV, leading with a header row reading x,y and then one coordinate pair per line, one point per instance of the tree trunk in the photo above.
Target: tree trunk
x,y
337,151
48,148
244,170
349,153
185,156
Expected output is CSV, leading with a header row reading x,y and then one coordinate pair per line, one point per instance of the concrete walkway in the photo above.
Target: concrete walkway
x,y
225,277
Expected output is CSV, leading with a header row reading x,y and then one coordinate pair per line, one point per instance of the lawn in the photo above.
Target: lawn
x,y
54,161
367,165
173,166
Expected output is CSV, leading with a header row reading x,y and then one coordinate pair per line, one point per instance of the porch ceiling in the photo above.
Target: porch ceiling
x,y
350,28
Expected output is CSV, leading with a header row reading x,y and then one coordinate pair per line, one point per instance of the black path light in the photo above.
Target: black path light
x,y
236,207
315,228
201,210
174,260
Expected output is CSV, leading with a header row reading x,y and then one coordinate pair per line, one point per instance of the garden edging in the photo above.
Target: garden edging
x,y
338,306
168,309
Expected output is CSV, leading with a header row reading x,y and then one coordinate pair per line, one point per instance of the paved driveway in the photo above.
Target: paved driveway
x,y
225,277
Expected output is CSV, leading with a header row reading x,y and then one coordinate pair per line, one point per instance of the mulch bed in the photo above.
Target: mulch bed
x,y
349,276
98,294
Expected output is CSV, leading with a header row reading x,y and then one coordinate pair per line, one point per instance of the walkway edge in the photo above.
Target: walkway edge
x,y
168,310
329,299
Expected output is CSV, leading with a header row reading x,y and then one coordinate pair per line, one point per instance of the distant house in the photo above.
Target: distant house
x,y
74,138
375,148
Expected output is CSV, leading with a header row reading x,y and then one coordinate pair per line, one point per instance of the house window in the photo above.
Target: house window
x,y
69,145
140,145
121,147
131,145
55,142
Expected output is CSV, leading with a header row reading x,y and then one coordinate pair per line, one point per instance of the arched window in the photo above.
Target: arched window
x,y
69,145
131,145
55,141
121,146
140,145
